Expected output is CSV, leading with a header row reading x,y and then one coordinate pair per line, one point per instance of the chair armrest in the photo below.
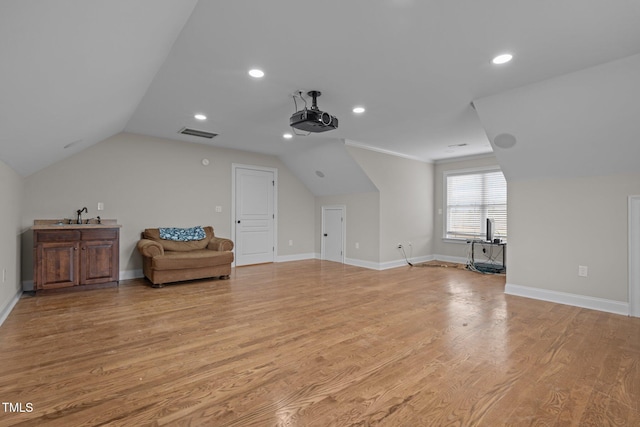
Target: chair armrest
x,y
220,244
149,248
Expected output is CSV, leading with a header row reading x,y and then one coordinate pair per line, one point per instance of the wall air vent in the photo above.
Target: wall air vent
x,y
196,132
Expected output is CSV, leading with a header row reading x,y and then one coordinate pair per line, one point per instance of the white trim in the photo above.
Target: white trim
x,y
455,241
371,265
383,151
235,166
634,256
465,158
402,262
454,259
343,250
297,257
9,307
419,159
600,304
467,171
388,265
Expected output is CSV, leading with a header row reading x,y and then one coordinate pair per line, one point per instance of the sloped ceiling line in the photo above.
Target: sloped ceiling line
x,y
74,70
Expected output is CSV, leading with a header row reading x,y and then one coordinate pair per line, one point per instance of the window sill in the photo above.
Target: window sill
x,y
456,241
464,241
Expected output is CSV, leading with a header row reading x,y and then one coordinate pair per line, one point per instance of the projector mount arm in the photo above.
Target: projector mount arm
x,y
314,94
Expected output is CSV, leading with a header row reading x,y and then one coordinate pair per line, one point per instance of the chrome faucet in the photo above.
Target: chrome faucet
x,y
79,212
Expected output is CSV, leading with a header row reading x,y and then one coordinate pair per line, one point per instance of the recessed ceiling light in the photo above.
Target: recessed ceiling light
x,y
287,136
200,117
256,73
502,59
358,110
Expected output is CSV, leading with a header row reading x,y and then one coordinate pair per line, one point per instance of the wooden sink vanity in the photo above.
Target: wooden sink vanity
x,y
75,256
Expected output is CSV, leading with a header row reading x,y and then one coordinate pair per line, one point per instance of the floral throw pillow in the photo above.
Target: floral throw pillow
x,y
182,234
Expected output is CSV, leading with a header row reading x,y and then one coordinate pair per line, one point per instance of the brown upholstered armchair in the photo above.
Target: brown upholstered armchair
x,y
166,261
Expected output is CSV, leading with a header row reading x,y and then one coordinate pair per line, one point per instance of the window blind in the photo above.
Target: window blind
x,y
471,199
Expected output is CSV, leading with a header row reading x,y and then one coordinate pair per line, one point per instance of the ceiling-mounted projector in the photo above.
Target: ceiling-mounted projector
x,y
313,120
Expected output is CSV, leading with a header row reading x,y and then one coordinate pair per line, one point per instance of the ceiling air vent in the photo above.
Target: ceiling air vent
x,y
196,132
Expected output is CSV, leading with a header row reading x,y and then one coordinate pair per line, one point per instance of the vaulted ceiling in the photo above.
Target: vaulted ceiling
x,y
74,73
578,124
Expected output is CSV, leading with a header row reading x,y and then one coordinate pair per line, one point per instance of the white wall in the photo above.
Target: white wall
x,y
556,225
446,250
11,192
406,203
151,182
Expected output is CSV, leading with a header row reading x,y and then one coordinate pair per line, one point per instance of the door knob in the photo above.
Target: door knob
x,y
325,234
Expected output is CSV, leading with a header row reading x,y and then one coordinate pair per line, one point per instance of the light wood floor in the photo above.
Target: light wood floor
x,y
315,343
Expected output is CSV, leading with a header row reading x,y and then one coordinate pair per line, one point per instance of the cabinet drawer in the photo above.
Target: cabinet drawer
x,y
100,234
57,236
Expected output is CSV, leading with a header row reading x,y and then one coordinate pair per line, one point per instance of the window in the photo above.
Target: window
x,y
471,198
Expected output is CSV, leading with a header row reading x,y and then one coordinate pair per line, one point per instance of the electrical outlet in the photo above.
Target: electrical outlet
x,y
357,245
218,209
290,242
583,271
100,206
399,245
4,275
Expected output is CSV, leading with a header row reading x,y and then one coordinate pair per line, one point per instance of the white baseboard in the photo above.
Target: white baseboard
x,y
600,304
296,257
425,258
455,259
402,262
386,265
7,310
362,263
372,265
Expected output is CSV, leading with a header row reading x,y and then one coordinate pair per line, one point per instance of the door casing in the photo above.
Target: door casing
x,y
234,168
634,256
323,249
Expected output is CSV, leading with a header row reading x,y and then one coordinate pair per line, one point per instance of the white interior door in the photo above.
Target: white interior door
x,y
333,233
254,216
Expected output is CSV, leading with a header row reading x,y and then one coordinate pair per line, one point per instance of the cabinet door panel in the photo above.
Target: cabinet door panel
x,y
58,265
99,261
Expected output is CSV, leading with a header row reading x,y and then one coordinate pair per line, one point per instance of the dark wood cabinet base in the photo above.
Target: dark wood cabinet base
x,y
75,257
77,288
